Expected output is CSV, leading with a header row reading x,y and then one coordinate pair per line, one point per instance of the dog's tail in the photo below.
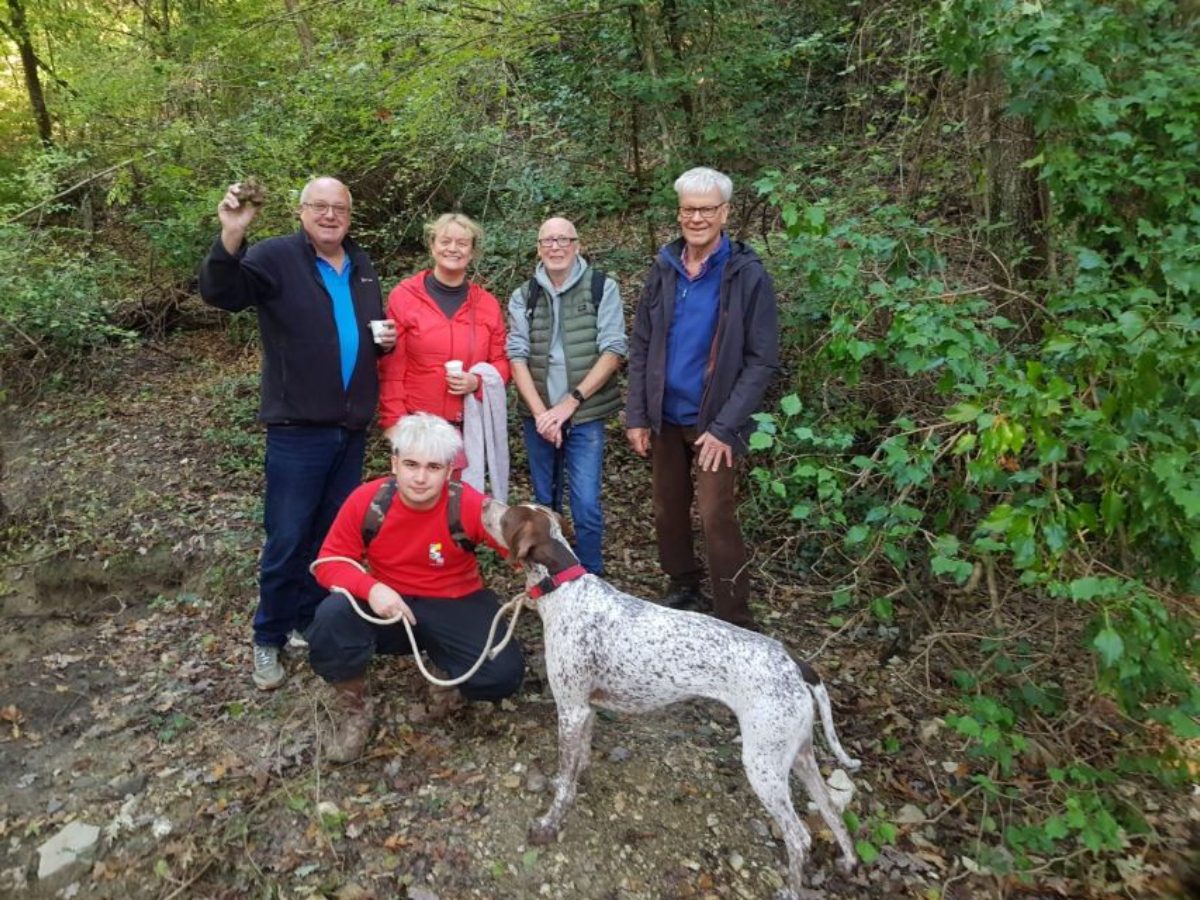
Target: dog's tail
x,y
812,681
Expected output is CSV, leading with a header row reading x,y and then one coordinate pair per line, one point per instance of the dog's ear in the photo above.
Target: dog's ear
x,y
564,526
517,527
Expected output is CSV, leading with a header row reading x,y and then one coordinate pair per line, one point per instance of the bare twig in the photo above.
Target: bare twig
x,y
73,188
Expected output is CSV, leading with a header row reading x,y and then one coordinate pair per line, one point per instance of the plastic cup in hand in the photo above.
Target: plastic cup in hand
x,y
454,367
380,327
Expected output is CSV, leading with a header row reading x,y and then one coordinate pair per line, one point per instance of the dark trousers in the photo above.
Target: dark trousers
x,y
311,470
451,632
676,480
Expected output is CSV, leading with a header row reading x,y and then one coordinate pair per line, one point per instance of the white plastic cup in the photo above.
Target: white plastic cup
x,y
454,367
379,327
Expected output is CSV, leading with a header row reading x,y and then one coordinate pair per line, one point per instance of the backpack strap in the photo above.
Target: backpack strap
x,y
534,290
533,293
454,514
382,502
598,279
377,511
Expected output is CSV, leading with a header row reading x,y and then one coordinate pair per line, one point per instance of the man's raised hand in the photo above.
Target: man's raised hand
x,y
235,215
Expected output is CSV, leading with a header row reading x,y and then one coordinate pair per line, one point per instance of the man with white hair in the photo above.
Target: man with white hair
x,y
315,293
419,563
704,348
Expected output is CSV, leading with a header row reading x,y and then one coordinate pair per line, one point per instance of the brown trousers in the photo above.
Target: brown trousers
x,y
676,480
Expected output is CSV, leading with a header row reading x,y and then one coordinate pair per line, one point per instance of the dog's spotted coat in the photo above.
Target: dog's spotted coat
x,y
610,650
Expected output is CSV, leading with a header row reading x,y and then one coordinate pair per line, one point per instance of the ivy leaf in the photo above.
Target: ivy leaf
x,y
1184,726
1109,645
1055,828
866,851
790,405
801,511
760,440
857,535
963,412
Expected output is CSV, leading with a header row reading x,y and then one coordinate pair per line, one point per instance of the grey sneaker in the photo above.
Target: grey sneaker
x,y
296,641
268,671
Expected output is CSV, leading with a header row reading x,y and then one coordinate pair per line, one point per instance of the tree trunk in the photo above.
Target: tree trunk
x,y
303,32
672,16
29,63
1011,193
639,27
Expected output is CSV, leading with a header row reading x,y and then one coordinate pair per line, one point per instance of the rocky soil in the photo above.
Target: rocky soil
x,y
126,587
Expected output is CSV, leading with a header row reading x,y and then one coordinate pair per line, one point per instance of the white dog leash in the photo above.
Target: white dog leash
x,y
489,652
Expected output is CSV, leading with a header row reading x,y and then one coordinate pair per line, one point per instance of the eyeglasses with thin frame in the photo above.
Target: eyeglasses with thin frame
x,y
557,241
707,213
320,207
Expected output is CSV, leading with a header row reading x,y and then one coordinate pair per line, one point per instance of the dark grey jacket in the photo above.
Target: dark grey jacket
x,y
301,363
744,356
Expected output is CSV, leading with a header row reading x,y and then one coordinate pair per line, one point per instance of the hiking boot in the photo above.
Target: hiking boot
x,y
683,596
296,641
439,701
354,719
268,671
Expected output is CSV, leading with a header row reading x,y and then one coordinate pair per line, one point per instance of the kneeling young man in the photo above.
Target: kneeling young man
x,y
415,569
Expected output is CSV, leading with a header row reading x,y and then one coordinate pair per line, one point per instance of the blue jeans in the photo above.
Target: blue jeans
x,y
311,470
583,462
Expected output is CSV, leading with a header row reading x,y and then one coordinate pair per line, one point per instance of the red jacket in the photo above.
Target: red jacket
x,y
413,378
413,553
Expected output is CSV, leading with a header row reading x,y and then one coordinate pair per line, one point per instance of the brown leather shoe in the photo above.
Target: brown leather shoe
x,y
684,596
354,718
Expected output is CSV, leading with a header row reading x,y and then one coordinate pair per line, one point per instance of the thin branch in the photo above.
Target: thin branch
x,y
73,188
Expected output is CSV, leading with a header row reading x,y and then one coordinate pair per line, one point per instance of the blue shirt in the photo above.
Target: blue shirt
x,y
338,285
691,333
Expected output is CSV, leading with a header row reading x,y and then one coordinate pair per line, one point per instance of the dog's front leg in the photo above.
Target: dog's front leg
x,y
574,739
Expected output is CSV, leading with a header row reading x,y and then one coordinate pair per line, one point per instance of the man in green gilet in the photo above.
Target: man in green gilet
x,y
566,341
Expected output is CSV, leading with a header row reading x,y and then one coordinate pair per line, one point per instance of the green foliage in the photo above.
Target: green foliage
x,y
878,831
239,438
54,297
1051,429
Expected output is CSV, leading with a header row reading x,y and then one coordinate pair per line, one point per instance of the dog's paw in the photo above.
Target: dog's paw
x,y
847,864
542,832
853,764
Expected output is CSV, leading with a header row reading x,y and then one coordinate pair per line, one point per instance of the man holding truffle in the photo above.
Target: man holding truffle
x,y
315,294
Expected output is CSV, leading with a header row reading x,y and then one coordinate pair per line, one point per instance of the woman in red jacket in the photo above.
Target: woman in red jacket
x,y
440,316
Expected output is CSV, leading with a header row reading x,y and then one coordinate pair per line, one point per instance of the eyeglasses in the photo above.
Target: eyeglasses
x,y
705,212
447,243
320,207
556,241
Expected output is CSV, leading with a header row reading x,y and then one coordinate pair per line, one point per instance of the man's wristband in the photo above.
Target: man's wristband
x,y
578,396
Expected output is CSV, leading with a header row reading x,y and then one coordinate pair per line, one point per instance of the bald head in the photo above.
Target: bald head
x,y
324,184
558,246
325,215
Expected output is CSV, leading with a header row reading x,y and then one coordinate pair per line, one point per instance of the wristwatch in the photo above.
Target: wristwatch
x,y
578,396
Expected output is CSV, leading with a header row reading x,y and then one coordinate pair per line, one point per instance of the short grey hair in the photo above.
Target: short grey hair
x,y
308,186
701,180
426,436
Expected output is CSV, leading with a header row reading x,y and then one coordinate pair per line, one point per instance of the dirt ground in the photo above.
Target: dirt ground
x,y
125,702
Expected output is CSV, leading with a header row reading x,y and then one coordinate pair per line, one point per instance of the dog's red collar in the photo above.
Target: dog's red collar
x,y
552,582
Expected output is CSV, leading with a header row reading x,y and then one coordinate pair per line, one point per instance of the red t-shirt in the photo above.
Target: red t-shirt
x,y
413,553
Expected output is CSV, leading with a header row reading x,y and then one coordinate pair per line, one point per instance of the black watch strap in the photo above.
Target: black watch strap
x,y
578,396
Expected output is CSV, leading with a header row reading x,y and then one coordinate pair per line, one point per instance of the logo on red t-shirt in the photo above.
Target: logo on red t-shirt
x,y
435,554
